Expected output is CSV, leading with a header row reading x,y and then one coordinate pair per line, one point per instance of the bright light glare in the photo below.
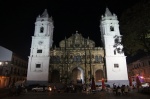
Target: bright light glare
x,y
142,77
50,89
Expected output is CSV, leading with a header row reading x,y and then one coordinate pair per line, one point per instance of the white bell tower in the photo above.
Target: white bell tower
x,y
115,59
39,59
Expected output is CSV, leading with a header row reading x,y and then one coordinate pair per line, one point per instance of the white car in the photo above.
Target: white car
x,y
38,89
98,87
145,85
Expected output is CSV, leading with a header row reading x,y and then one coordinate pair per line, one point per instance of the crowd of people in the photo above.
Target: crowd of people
x,y
121,90
117,90
16,90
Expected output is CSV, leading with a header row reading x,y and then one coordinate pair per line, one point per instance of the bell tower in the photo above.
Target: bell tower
x,y
115,59
39,59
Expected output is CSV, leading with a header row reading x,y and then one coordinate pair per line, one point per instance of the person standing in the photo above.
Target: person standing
x,y
54,88
126,90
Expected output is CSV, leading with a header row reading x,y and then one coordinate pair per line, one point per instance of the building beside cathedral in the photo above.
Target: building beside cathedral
x,y
77,59
13,68
141,68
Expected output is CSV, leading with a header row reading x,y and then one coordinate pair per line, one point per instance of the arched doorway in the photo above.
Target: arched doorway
x,y
55,77
99,75
77,75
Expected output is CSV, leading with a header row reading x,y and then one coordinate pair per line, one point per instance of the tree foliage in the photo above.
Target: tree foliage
x,y
135,27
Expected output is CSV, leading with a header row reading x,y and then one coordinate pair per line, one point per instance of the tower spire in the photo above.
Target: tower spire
x,y
107,12
45,13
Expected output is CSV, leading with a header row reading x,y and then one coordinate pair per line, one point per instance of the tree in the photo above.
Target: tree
x,y
135,27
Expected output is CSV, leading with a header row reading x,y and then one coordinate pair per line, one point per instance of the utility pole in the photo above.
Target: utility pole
x,y
66,61
90,63
85,61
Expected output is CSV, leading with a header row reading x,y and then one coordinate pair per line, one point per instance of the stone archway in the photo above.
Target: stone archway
x,y
55,77
99,75
77,75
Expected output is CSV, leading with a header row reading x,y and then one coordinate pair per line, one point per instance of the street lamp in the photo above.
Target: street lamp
x,y
1,68
93,70
0,63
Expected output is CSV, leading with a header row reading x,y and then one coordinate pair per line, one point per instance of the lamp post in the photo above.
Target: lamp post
x,y
85,61
1,68
93,70
90,64
4,74
1,74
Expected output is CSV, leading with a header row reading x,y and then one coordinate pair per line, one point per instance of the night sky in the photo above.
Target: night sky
x,y
18,18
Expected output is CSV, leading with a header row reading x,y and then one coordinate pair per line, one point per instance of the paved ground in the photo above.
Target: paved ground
x,y
98,95
3,92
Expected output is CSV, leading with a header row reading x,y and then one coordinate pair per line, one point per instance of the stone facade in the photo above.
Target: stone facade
x,y
77,59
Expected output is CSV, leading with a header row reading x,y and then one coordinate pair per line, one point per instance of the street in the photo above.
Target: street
x,y
98,95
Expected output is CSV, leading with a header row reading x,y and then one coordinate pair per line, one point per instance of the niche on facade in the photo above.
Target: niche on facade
x,y
118,47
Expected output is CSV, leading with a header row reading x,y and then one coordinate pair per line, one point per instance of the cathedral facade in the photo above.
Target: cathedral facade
x,y
77,59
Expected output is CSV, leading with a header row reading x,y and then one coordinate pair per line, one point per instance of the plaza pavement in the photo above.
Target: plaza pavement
x,y
78,95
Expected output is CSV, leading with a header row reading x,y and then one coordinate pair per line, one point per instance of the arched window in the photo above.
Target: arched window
x,y
58,59
78,58
41,29
100,58
92,56
96,58
75,58
111,28
42,20
71,56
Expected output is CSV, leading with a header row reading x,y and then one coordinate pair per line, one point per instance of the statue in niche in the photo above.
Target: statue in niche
x,y
118,45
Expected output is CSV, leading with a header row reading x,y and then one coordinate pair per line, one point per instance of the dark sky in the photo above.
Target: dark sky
x,y
18,18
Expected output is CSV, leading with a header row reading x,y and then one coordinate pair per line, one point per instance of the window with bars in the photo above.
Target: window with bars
x,y
116,65
38,65
39,51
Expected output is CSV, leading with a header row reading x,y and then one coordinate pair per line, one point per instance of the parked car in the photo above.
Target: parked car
x,y
145,85
41,89
98,87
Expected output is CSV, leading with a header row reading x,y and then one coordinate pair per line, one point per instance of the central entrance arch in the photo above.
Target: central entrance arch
x,y
99,75
55,76
77,75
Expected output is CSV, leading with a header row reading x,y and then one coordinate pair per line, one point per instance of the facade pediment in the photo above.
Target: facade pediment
x,y
77,41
